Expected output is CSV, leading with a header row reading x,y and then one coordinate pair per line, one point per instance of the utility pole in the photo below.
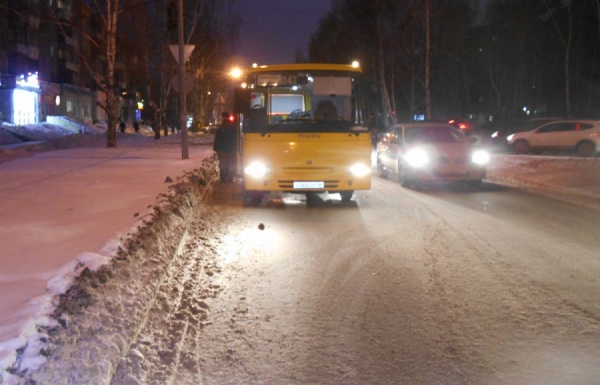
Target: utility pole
x,y
182,94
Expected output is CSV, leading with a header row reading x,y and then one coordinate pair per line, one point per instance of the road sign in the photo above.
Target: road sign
x,y
187,51
188,83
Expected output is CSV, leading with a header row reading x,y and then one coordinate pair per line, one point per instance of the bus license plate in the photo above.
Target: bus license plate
x,y
302,185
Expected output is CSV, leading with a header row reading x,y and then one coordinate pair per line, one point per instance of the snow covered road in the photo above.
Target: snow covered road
x,y
445,285
439,285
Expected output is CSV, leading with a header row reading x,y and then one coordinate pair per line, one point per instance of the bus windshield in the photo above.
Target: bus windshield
x,y
302,101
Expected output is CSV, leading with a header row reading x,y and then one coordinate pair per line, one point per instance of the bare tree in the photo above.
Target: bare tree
x,y
159,65
148,65
385,97
428,59
596,5
566,39
104,43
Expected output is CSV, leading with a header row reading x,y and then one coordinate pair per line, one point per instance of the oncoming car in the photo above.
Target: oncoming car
x,y
430,151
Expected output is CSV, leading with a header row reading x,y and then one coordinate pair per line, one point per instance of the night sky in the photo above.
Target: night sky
x,y
273,30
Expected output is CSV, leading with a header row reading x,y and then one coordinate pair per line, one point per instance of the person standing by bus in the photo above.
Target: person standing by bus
x,y
225,145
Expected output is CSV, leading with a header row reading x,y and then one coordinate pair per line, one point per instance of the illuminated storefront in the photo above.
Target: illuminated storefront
x,y
26,98
20,99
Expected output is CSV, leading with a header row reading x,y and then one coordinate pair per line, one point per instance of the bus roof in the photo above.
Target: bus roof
x,y
305,67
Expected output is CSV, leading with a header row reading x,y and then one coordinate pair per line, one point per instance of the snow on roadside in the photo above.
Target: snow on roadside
x,y
94,317
574,179
30,350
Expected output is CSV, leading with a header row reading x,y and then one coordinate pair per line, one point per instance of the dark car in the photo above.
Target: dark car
x,y
418,152
479,131
465,125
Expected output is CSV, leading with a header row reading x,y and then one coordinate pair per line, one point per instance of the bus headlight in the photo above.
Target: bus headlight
x,y
480,157
359,170
256,170
416,157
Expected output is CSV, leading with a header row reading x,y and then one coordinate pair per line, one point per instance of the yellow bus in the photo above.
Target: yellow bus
x,y
302,130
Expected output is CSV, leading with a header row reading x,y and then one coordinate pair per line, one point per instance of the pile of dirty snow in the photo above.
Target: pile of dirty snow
x,y
97,317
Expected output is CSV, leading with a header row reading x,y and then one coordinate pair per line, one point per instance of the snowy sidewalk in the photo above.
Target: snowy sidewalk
x,y
61,205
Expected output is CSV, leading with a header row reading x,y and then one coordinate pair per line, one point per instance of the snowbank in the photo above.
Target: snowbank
x,y
77,342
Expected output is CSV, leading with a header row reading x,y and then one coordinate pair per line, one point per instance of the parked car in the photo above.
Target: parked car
x,y
559,135
479,131
211,129
418,152
499,135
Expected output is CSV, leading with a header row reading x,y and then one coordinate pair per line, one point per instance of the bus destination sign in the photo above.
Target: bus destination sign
x,y
279,80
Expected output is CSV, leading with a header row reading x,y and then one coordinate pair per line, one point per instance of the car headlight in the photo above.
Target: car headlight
x,y
480,157
256,170
416,157
495,134
359,170
510,137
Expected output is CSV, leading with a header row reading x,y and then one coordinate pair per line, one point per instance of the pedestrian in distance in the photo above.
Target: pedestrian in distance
x,y
225,145
122,126
136,126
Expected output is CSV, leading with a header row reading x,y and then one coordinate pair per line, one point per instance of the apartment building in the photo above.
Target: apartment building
x,y
44,57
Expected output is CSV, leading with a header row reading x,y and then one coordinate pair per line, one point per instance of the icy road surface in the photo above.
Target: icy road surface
x,y
441,286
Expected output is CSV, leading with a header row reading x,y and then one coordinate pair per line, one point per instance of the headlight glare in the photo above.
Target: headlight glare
x,y
480,157
256,170
416,157
510,137
359,170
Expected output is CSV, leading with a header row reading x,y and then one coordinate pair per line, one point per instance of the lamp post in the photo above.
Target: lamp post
x,y
182,104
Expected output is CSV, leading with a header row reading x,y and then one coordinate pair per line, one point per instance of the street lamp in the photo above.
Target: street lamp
x,y
235,73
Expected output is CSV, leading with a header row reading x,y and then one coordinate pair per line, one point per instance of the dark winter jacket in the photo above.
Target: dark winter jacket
x,y
225,138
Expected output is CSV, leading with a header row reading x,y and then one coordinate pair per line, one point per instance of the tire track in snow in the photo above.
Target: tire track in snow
x,y
168,341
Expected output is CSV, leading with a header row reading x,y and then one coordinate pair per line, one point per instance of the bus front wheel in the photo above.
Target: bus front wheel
x,y
252,195
346,195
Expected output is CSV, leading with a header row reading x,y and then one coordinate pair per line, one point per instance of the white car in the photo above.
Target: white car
x,y
418,152
596,139
559,135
